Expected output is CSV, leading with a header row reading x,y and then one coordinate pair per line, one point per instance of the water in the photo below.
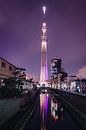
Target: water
x,y
51,115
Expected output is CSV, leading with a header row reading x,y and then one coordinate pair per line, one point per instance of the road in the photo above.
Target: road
x,y
51,114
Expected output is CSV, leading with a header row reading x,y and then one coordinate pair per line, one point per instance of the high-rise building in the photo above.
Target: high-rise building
x,y
55,67
44,73
58,75
56,72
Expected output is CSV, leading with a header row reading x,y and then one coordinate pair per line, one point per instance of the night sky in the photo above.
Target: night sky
x,y
20,32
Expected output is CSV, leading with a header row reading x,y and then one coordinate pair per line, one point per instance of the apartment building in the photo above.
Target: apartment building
x,y
6,69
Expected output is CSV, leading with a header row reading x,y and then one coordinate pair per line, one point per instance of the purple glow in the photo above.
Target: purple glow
x,y
44,70
46,104
43,110
20,44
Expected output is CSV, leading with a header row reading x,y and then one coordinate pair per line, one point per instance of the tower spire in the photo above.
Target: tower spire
x,y
44,73
44,12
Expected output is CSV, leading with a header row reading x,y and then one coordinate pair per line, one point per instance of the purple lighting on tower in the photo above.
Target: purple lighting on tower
x,y
44,70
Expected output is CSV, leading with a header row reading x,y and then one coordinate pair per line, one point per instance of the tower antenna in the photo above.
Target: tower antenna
x,y
44,10
44,70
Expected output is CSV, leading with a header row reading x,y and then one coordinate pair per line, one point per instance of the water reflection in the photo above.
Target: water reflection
x,y
43,109
56,109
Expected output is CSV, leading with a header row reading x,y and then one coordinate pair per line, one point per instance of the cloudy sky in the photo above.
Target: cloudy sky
x,y
20,31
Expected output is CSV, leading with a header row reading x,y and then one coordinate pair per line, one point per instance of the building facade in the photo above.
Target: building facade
x,y
55,67
58,75
6,69
78,85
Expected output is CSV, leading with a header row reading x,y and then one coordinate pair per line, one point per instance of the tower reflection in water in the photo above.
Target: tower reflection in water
x,y
56,109
43,109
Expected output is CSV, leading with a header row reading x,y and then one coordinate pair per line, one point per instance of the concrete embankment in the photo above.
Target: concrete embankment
x,y
8,108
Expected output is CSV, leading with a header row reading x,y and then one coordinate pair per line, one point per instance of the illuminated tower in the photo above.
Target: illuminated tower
x,y
44,73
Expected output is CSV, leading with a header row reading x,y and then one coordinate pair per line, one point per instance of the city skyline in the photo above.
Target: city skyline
x,y
20,29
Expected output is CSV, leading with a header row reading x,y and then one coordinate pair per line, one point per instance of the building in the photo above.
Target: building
x,y
64,85
56,72
58,75
26,85
6,69
55,67
44,73
78,85
20,73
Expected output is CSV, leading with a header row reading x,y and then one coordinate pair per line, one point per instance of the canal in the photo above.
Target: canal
x,y
51,114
